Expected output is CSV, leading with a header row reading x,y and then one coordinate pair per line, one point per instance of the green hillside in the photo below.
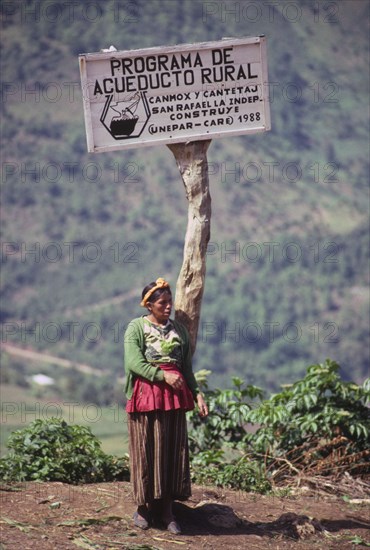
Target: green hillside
x,y
82,234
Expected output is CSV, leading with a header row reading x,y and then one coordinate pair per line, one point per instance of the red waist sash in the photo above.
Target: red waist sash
x,y
150,396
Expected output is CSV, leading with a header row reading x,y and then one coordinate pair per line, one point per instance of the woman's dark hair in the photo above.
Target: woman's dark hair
x,y
156,294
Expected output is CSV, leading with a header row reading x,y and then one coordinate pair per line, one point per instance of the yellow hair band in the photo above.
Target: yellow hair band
x,y
160,283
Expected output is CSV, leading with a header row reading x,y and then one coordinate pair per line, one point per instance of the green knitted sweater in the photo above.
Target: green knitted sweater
x,y
137,365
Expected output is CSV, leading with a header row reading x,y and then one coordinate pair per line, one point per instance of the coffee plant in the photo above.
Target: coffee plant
x,y
313,417
52,450
318,425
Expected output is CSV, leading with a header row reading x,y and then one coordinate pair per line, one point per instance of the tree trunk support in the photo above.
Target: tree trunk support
x,y
191,158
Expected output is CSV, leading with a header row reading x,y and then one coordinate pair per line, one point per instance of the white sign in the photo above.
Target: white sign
x,y
175,94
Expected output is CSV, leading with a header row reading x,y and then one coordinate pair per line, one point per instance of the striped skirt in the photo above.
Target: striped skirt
x,y
159,455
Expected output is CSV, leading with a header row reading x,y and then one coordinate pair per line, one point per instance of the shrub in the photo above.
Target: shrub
x,y
243,474
228,410
318,425
52,450
223,433
321,405
321,424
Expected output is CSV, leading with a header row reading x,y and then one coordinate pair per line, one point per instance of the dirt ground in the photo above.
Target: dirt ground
x,y
49,516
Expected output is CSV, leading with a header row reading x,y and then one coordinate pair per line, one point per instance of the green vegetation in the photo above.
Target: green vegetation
x,y
21,405
51,450
319,425
287,265
319,408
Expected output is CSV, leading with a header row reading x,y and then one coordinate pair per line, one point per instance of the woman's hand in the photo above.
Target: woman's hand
x,y
203,409
173,379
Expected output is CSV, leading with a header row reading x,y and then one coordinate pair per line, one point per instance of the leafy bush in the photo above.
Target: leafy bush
x,y
319,404
223,433
243,474
319,425
228,410
52,450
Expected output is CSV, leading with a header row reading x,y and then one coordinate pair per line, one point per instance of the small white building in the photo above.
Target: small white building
x,y
42,380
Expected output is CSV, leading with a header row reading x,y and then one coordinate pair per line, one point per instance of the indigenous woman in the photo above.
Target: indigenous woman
x,y
160,388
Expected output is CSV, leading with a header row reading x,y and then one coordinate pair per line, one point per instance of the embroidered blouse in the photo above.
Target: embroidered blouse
x,y
146,344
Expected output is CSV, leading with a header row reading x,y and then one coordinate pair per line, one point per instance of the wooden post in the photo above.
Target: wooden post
x,y
191,158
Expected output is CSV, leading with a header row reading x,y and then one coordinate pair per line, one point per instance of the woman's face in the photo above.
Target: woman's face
x,y
161,308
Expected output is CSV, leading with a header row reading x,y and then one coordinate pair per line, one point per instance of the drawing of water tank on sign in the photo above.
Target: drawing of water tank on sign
x,y
126,118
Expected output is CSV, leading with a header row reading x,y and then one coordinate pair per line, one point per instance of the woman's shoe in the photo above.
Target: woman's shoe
x,y
139,521
174,528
